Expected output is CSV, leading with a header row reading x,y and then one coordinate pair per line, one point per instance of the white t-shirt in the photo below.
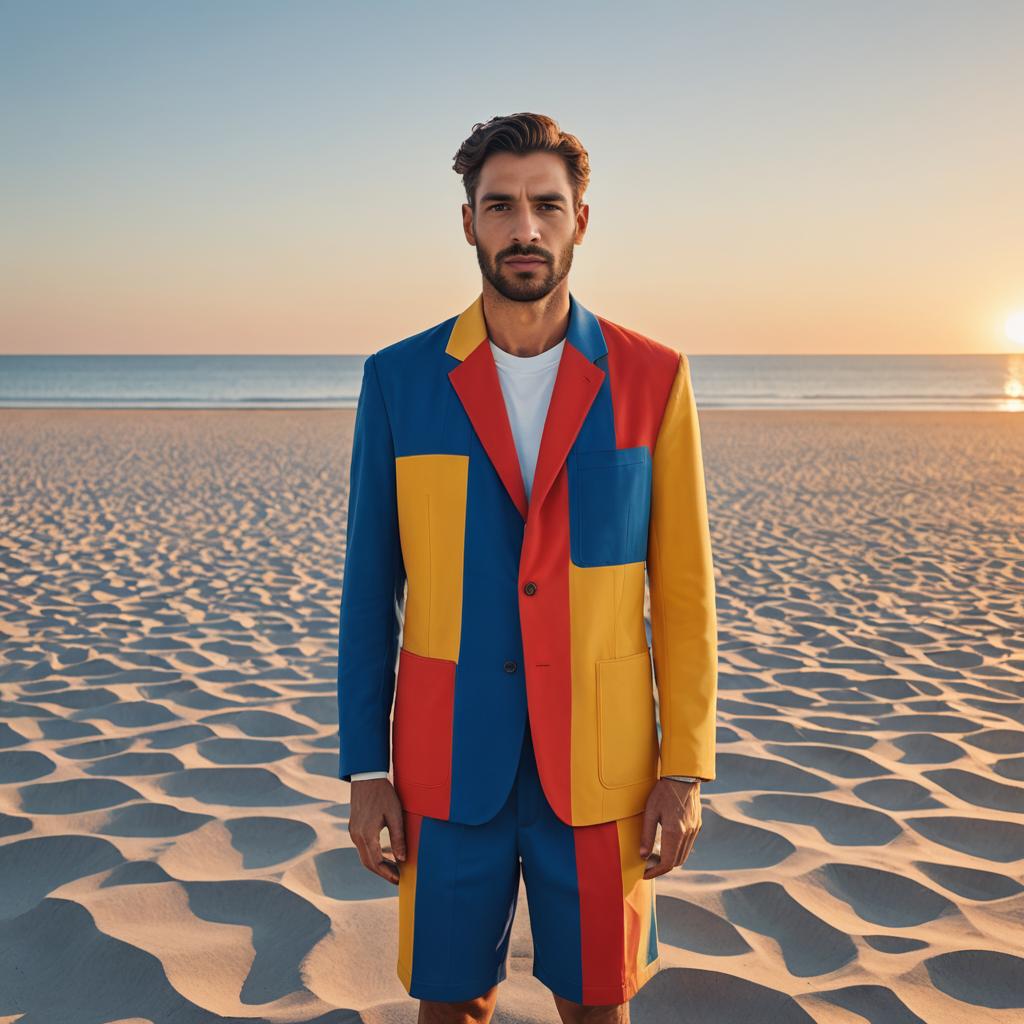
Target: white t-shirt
x,y
527,383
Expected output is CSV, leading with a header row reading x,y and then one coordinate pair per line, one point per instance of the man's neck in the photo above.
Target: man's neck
x,y
526,328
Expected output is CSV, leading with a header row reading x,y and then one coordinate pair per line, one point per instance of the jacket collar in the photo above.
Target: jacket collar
x,y
577,382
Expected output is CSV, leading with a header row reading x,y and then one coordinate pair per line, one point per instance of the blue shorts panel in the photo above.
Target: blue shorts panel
x,y
592,915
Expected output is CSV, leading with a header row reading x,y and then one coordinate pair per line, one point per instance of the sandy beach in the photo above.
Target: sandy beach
x,y
173,836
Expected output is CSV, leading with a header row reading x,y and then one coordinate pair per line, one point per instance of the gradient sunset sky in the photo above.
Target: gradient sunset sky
x,y
770,177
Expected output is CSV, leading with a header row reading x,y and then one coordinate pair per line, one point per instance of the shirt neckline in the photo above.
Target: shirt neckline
x,y
527,364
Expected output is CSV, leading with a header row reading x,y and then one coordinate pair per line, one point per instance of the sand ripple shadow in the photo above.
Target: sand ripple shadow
x,y
810,946
32,868
689,995
981,977
727,845
689,926
884,897
238,787
842,824
343,877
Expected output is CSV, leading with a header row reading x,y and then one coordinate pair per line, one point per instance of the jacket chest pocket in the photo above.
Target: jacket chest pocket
x,y
609,505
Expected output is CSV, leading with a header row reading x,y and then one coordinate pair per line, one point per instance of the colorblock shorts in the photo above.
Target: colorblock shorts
x,y
592,913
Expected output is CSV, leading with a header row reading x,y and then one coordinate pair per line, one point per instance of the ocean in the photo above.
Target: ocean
x,y
947,382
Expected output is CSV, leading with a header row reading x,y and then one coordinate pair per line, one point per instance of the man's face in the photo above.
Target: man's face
x,y
524,225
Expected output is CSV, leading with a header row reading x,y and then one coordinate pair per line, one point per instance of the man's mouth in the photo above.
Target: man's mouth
x,y
523,262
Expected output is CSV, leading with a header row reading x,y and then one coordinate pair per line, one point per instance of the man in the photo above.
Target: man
x,y
516,470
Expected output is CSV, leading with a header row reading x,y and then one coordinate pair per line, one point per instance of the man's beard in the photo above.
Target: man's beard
x,y
518,286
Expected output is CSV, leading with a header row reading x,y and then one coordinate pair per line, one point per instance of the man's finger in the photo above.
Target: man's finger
x,y
373,850
388,869
396,832
671,843
647,831
360,845
371,856
657,867
688,841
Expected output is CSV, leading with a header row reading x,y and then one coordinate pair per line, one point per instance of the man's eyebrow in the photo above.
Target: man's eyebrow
x,y
504,197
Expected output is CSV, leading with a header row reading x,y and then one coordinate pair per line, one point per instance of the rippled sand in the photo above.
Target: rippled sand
x,y
173,839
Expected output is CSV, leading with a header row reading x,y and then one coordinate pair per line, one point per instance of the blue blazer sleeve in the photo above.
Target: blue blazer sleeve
x,y
372,592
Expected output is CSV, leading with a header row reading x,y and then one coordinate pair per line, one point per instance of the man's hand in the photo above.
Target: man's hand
x,y
374,805
676,805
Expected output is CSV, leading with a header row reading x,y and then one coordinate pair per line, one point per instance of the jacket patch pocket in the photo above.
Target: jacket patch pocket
x,y
609,505
627,734
421,737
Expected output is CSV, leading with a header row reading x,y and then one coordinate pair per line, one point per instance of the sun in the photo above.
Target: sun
x,y
1014,327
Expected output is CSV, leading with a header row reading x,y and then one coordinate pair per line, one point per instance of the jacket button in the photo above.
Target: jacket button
x,y
530,588
510,666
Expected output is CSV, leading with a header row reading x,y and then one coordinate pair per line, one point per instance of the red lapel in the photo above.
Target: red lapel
x,y
476,382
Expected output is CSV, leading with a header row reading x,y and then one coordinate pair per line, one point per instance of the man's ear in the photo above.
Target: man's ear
x,y
582,219
467,223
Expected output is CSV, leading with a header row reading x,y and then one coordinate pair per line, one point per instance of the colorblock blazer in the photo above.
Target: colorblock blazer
x,y
479,614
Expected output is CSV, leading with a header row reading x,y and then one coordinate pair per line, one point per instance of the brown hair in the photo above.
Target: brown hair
x,y
521,133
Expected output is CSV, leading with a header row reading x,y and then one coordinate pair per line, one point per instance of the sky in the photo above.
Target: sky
x,y
767,177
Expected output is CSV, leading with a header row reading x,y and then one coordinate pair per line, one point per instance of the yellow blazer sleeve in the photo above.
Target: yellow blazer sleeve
x,y
684,628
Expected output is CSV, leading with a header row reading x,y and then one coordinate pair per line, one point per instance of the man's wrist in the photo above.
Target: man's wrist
x,y
683,778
